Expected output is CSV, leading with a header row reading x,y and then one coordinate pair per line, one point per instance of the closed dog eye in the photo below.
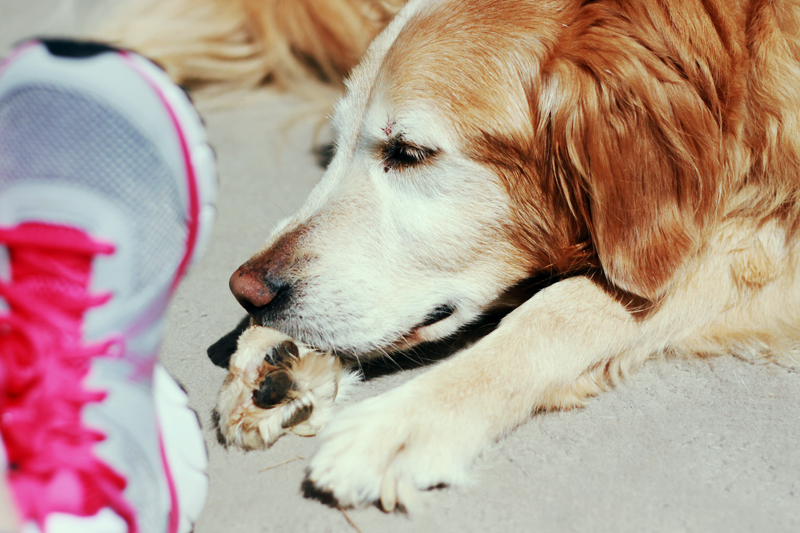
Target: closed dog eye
x,y
397,153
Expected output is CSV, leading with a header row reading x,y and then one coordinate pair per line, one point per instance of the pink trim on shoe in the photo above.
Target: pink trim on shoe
x,y
191,238
174,520
21,49
191,178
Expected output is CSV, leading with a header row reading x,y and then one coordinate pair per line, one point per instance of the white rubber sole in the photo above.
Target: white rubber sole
x,y
183,447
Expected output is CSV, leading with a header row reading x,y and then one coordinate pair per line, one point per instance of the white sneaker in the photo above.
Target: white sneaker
x,y
106,196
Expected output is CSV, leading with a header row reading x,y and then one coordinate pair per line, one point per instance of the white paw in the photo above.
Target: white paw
x,y
391,447
276,385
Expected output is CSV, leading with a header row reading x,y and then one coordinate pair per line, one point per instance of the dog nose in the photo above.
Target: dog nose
x,y
261,284
251,288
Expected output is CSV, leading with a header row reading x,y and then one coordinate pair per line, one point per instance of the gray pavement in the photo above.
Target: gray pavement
x,y
702,445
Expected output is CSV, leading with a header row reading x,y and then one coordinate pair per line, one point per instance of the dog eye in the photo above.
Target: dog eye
x,y
399,154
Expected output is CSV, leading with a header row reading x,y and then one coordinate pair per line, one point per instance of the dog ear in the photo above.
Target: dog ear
x,y
633,146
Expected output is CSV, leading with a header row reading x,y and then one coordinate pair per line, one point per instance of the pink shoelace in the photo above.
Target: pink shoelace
x,y
43,362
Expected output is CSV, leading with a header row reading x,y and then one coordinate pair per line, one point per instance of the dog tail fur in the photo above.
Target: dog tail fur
x,y
243,44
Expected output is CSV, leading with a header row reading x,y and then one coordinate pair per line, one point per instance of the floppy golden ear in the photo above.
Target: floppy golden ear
x,y
634,148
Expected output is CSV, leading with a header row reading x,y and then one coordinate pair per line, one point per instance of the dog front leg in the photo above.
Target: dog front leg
x,y
549,353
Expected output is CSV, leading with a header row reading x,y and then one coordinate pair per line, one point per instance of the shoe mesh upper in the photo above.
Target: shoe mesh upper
x,y
51,134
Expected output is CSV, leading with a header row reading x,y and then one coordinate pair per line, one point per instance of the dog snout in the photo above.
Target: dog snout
x,y
254,288
261,284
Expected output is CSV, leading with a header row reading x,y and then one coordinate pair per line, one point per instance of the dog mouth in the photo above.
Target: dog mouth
x,y
433,327
439,314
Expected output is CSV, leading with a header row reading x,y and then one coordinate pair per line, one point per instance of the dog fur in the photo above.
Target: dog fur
x,y
225,45
304,390
644,154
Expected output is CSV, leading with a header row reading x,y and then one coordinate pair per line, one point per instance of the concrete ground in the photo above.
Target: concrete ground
x,y
706,445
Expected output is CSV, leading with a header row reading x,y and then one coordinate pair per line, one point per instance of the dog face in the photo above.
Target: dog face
x,y
480,143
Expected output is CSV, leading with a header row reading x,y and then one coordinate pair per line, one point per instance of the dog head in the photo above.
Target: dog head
x,y
482,142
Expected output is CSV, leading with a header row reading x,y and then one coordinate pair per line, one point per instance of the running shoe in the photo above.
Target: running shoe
x,y
106,197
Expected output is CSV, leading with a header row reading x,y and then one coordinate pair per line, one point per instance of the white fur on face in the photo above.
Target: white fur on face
x,y
382,248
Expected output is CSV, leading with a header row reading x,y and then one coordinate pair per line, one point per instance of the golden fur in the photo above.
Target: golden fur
x,y
645,154
244,44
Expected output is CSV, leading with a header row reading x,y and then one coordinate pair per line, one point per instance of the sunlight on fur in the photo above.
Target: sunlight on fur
x,y
317,380
651,175
218,46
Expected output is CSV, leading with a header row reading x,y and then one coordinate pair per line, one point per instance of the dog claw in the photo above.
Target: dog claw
x,y
389,492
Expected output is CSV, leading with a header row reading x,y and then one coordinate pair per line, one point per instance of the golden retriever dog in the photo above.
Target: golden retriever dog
x,y
644,155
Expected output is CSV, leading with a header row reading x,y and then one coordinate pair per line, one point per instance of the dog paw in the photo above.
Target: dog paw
x,y
277,385
390,448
